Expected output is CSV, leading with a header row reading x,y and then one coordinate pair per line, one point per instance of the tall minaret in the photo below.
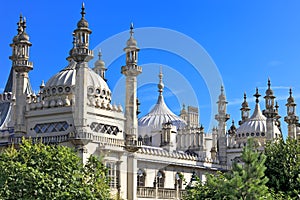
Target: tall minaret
x,y
291,119
245,110
222,117
81,54
21,66
131,70
270,112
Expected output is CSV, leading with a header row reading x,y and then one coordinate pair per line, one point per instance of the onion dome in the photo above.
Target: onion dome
x,y
269,91
131,42
255,126
100,66
82,23
65,80
160,113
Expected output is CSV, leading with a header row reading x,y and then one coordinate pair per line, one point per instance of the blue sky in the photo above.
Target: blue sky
x,y
248,41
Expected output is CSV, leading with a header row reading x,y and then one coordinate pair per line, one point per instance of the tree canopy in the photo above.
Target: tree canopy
x,y
283,167
38,171
246,180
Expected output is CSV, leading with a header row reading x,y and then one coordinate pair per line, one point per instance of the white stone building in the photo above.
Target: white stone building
x,y
153,157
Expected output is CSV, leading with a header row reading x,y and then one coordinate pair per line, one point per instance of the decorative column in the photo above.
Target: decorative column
x,y
131,70
82,55
222,117
270,112
21,66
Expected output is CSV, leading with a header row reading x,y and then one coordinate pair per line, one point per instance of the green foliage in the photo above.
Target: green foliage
x,y
38,171
283,168
245,181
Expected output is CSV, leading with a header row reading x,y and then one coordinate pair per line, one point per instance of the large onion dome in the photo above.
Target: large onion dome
x,y
64,83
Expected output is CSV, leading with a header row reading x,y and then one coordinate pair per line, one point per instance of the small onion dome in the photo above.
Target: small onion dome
x,y
82,23
99,64
291,98
269,91
222,96
131,42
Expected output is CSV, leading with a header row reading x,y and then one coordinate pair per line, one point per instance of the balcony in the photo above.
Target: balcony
x,y
159,193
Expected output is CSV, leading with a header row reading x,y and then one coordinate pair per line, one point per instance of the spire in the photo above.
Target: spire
x,y
82,10
160,84
257,95
131,29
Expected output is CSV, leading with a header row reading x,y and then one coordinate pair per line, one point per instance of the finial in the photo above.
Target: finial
x,y
131,29
82,10
183,106
257,95
160,85
291,92
42,84
276,105
269,83
24,23
222,89
20,23
245,97
232,122
99,54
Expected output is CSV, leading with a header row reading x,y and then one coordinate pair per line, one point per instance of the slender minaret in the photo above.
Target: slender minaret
x,y
100,66
131,70
81,54
270,112
21,66
245,110
291,119
222,117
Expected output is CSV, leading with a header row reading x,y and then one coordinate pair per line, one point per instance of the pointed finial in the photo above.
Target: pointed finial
x,y
183,106
20,23
291,92
24,24
269,83
160,85
42,84
245,96
257,95
276,105
222,89
232,122
99,54
82,10
131,29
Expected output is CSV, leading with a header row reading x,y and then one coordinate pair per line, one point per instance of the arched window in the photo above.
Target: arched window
x,y
178,180
160,179
141,175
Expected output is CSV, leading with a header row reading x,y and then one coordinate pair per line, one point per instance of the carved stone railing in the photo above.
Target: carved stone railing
x,y
159,193
146,192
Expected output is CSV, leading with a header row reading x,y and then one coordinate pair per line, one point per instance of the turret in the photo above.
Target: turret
x,y
222,117
100,66
168,137
291,119
270,112
21,65
245,110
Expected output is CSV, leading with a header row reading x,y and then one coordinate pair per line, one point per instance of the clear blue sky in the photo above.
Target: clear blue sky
x,y
248,41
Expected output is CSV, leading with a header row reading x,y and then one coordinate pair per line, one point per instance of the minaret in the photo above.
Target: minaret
x,y
131,70
100,66
291,119
222,117
81,54
245,110
21,66
270,112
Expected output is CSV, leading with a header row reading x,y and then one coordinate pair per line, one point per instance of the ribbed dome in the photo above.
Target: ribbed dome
x,y
256,126
65,80
161,114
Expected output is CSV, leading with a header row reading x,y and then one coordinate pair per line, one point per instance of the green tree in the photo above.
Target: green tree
x,y
283,167
246,180
38,171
